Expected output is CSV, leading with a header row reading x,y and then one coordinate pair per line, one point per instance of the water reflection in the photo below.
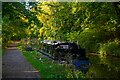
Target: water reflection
x,y
103,67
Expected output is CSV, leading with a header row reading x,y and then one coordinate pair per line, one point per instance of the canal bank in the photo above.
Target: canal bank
x,y
103,66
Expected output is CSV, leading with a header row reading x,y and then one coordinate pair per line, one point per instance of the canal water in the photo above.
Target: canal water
x,y
103,67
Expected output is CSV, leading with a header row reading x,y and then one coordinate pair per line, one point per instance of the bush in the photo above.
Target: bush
x,y
88,40
110,48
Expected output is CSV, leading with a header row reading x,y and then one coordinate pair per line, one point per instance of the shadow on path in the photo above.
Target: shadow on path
x,y
16,66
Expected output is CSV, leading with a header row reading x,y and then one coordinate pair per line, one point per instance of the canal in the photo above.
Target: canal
x,y
103,67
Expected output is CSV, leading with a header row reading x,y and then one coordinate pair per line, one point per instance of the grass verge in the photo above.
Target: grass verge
x,y
51,69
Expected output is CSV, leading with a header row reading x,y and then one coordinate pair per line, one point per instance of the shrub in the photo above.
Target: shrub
x,y
110,48
73,73
87,40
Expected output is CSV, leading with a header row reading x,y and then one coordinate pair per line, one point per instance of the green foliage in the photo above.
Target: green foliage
x,y
88,40
15,21
73,36
88,23
110,48
19,44
72,73
51,69
96,27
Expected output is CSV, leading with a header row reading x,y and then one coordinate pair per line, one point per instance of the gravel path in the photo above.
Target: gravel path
x,y
16,66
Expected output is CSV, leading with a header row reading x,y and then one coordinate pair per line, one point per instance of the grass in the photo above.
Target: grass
x,y
50,69
2,52
45,68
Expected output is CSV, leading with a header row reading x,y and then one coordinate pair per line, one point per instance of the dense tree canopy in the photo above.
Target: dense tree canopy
x,y
91,24
95,26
